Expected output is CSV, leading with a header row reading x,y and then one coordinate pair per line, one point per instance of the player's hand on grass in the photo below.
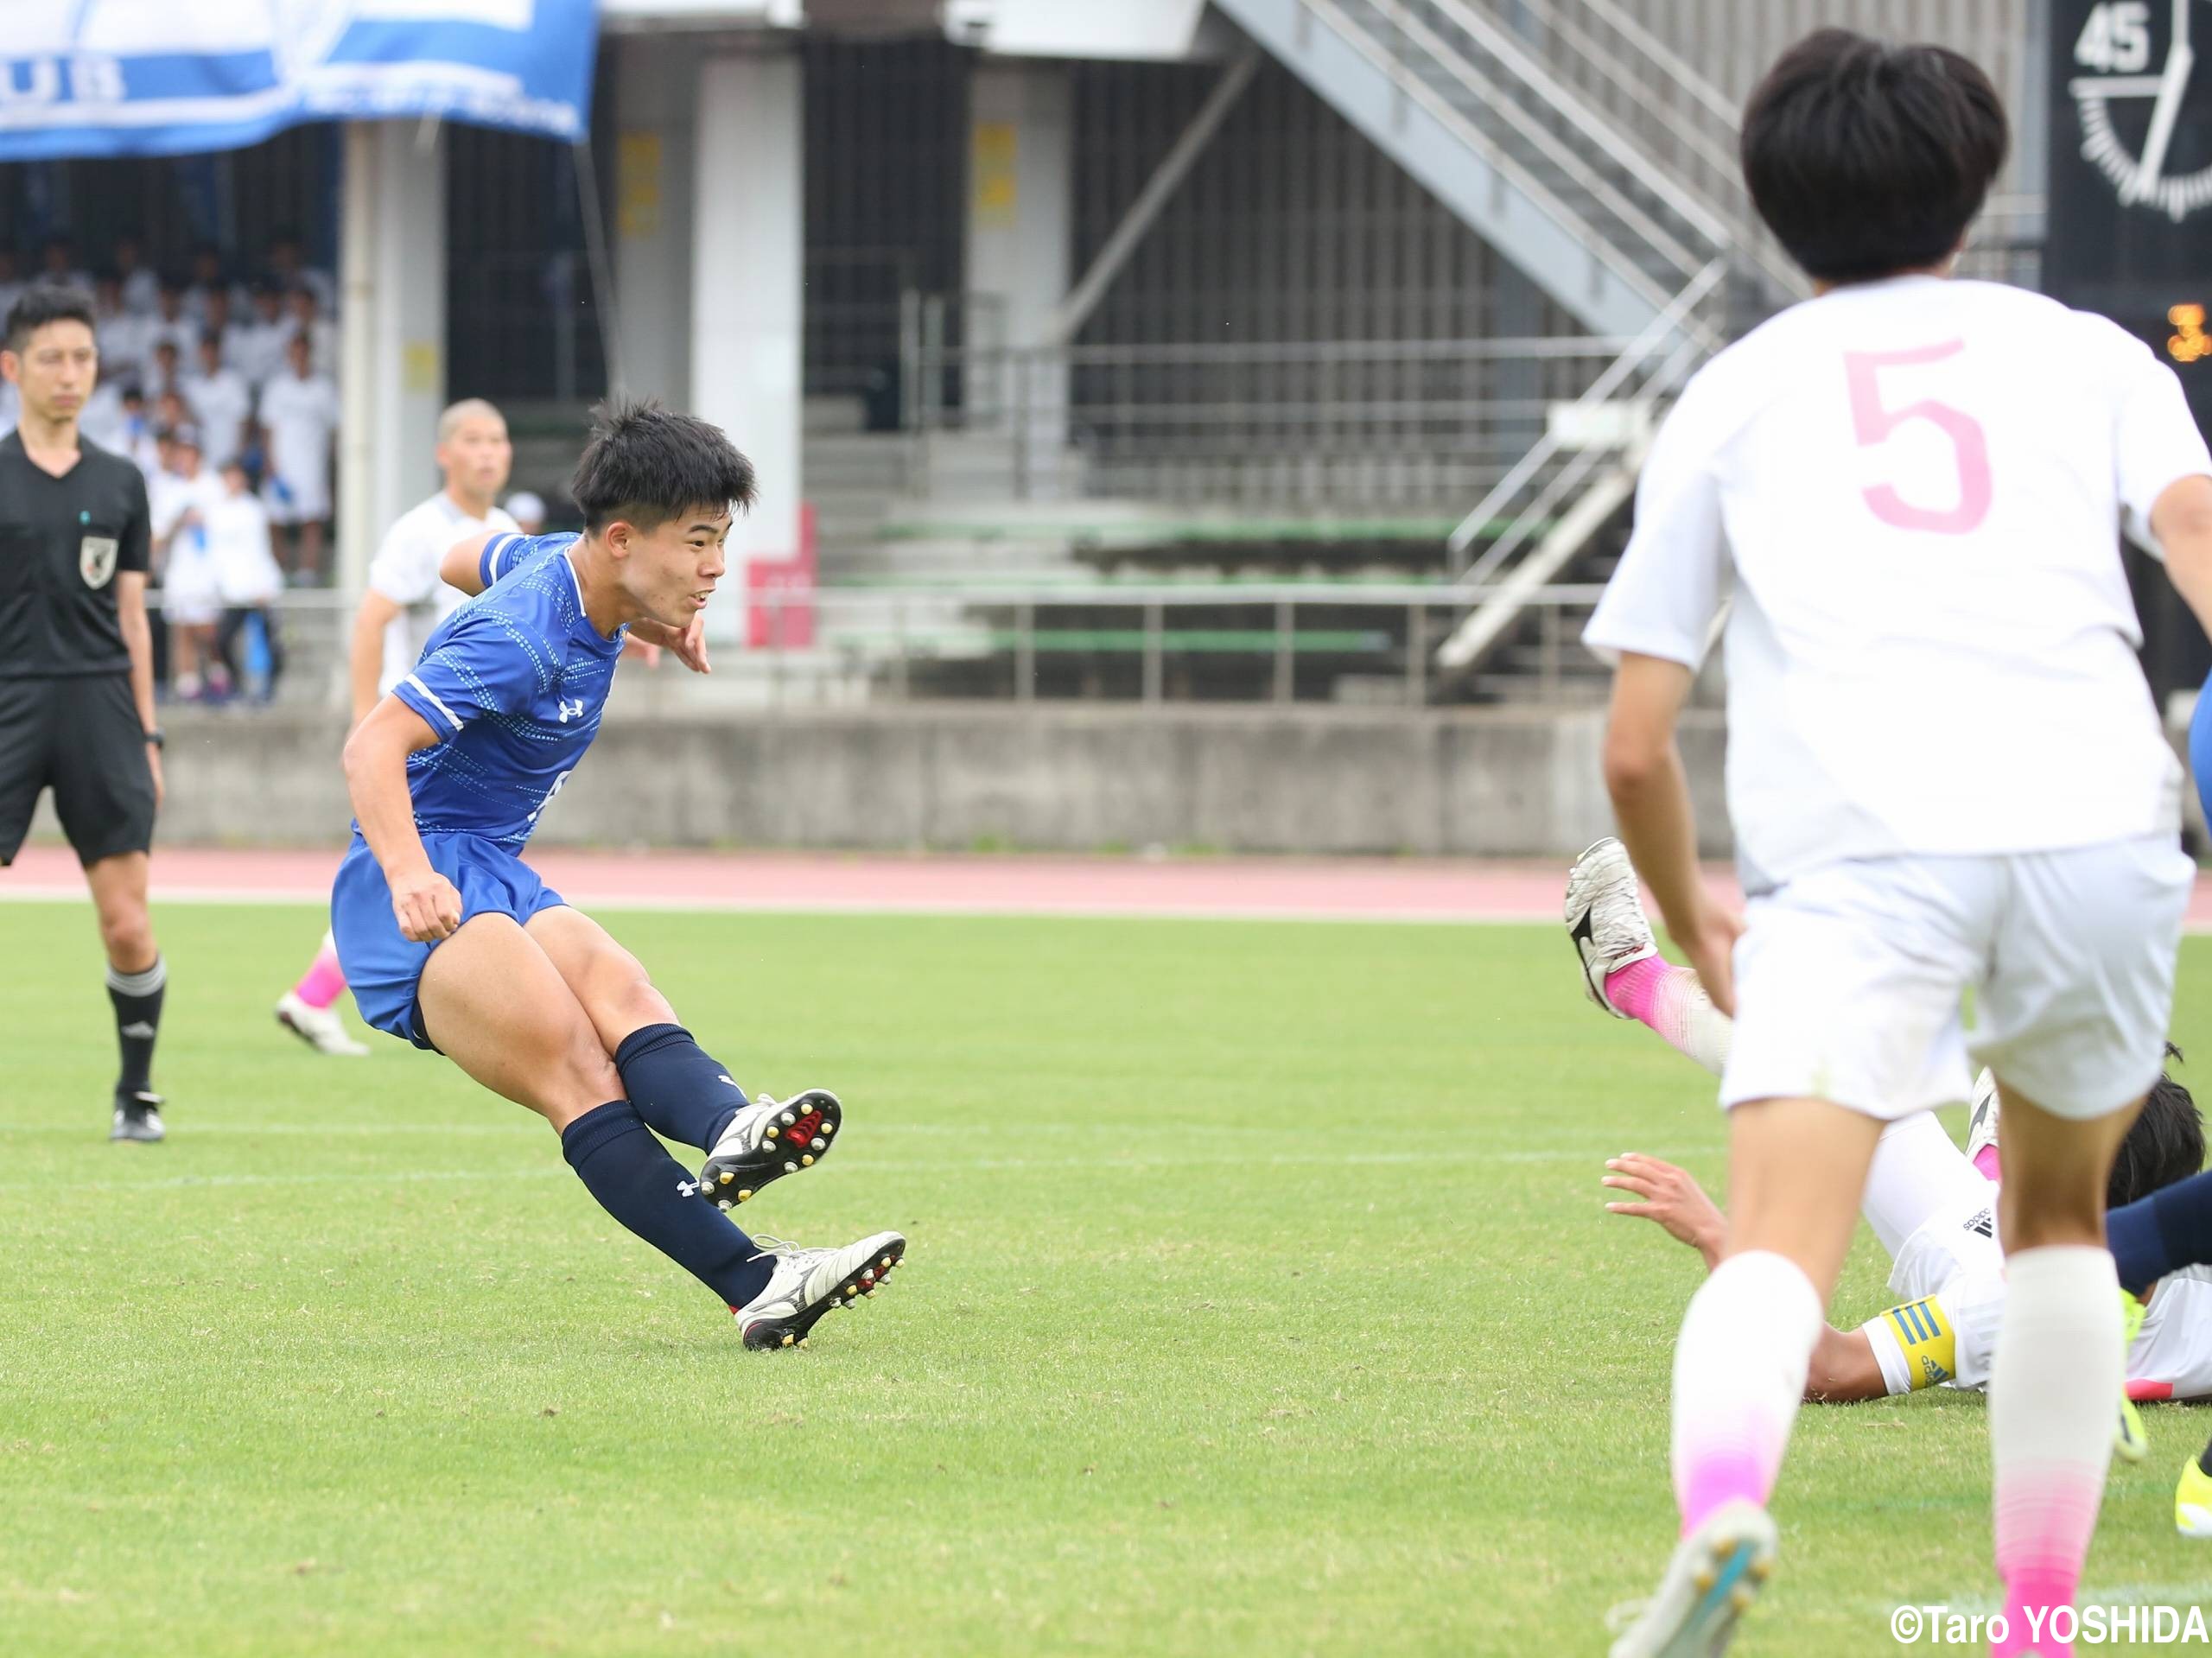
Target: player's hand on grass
x,y
1663,1193
427,905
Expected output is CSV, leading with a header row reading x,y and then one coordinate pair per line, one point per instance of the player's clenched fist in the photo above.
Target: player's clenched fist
x,y
428,906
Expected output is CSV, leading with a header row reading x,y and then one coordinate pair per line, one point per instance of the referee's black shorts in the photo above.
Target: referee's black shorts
x,y
82,738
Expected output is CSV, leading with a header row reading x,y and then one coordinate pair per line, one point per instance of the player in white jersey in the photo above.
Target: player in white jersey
x,y
1931,1206
1944,773
405,601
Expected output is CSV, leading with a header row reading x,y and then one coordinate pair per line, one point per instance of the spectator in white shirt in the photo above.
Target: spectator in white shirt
x,y
191,599
58,264
219,401
288,264
165,373
259,354
122,337
299,410
172,321
246,578
142,288
303,309
138,439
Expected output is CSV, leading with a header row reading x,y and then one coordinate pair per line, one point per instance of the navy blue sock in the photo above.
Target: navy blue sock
x,y
2168,1230
635,1180
685,1095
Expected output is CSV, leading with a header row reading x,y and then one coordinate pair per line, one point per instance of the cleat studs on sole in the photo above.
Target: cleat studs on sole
x,y
820,1143
788,1118
791,1168
828,1128
789,1338
745,1194
806,1162
1741,1598
727,1175
886,1263
770,1132
1759,1571
852,1289
723,1205
1705,1578
869,1277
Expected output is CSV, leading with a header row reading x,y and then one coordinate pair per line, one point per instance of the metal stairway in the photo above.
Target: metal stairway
x,y
1603,167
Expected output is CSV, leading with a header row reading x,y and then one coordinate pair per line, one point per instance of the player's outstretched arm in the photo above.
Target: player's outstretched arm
x,y
1651,799
426,904
463,565
1844,1368
364,656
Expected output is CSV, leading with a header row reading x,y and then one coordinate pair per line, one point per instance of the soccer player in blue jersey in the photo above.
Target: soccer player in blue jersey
x,y
451,940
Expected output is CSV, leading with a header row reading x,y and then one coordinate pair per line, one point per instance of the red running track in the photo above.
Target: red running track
x,y
1349,889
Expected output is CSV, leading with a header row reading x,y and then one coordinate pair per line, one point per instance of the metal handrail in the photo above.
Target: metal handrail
x,y
1534,133
1661,328
1700,215
1411,86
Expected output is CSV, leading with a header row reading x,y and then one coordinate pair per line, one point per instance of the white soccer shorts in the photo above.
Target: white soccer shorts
x,y
1849,979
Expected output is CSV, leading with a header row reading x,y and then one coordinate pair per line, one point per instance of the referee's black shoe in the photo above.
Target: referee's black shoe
x,y
137,1116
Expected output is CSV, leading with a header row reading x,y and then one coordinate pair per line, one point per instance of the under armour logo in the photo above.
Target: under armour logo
x,y
139,1030
732,1081
572,710
687,1188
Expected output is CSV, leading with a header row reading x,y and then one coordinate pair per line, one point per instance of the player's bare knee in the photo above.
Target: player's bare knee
x,y
127,936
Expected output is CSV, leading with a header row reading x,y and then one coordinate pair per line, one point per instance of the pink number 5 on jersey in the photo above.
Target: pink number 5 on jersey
x,y
1872,423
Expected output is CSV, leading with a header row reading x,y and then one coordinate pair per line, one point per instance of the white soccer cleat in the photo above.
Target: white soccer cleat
x,y
807,1283
768,1140
1604,917
319,1027
1717,1572
1983,1111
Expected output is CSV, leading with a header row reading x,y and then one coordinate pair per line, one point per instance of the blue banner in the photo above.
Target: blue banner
x,y
169,77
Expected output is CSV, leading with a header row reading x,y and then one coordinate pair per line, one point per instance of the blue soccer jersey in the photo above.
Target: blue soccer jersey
x,y
513,683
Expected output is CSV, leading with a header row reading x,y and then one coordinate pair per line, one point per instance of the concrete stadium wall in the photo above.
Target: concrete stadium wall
x,y
1488,783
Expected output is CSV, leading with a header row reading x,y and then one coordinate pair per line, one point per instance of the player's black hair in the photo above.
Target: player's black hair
x,y
44,302
645,464
207,337
2165,1144
1866,159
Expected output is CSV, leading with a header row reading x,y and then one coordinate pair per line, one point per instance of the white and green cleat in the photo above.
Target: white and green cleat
x,y
1717,1572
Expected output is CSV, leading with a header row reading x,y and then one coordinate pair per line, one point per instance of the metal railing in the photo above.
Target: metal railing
x,y
1269,642
1294,428
1653,366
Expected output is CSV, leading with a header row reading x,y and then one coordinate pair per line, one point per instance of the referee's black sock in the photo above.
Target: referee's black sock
x,y
137,999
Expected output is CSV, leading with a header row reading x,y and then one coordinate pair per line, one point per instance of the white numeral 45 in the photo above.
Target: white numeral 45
x,y
2117,39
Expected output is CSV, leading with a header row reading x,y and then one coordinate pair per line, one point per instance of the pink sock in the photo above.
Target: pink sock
x,y
325,981
1988,1163
2057,1370
1672,1003
1739,1371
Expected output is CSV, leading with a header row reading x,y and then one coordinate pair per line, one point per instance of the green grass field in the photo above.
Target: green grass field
x,y
1260,1300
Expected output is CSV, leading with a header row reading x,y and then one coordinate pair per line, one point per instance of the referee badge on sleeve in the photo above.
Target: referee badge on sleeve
x,y
96,560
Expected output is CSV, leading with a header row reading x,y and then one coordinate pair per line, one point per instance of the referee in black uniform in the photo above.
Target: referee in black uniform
x,y
76,663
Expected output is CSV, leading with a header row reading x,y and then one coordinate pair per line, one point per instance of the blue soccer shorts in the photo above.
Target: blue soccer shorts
x,y
384,969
